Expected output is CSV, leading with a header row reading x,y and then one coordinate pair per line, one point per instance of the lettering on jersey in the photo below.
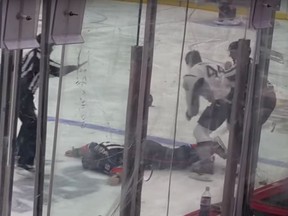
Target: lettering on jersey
x,y
107,167
220,69
212,72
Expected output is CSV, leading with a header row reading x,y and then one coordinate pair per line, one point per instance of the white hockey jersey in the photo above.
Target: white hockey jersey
x,y
217,86
214,87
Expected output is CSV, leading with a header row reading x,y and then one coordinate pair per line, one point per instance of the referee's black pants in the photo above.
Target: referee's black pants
x,y
26,140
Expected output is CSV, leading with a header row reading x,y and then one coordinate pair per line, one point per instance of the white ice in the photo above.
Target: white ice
x,y
97,94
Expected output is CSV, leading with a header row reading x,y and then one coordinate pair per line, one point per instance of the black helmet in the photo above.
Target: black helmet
x,y
193,57
234,46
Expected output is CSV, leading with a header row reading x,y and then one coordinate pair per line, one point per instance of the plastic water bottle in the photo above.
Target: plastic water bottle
x,y
205,203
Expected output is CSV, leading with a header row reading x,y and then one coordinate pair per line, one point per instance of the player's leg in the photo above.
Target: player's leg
x,y
184,156
154,155
159,156
26,139
211,119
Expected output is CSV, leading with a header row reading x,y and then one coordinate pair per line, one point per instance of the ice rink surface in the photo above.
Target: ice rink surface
x,y
93,108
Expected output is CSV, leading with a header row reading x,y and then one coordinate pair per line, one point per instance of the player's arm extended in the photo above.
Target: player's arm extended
x,y
55,68
192,85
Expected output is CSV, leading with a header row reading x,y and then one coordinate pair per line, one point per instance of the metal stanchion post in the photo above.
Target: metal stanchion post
x,y
142,113
13,120
63,52
236,127
42,109
4,126
130,130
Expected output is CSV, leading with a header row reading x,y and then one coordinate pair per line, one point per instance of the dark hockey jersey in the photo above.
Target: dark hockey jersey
x,y
103,157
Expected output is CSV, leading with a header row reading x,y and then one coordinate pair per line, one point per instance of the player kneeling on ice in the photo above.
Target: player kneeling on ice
x,y
107,158
206,80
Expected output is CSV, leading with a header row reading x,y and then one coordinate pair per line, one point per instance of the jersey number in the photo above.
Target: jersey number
x,y
212,72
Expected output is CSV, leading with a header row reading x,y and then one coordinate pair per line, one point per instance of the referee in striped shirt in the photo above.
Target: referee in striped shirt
x,y
26,140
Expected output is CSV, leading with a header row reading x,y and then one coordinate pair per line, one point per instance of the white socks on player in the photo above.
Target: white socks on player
x,y
202,134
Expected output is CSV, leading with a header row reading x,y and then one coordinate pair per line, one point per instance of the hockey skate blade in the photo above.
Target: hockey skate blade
x,y
201,177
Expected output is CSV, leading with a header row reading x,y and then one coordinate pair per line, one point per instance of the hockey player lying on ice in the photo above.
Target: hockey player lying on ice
x,y
108,158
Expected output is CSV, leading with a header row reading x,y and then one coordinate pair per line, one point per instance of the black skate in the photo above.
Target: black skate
x,y
203,170
25,170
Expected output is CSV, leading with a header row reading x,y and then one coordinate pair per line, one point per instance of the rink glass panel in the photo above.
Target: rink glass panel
x,y
161,123
93,106
273,151
212,42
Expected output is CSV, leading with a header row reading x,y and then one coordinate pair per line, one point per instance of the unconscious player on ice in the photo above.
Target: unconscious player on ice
x,y
107,157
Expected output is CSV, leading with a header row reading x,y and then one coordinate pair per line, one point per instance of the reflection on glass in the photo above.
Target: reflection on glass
x,y
270,194
93,108
196,119
205,55
272,164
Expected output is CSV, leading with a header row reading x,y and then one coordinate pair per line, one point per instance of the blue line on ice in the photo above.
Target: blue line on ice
x,y
157,139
